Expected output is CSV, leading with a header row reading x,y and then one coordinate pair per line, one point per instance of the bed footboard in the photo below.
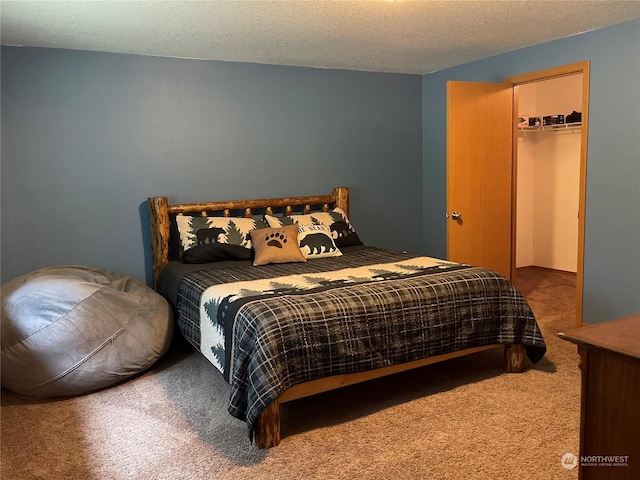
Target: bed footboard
x,y
267,427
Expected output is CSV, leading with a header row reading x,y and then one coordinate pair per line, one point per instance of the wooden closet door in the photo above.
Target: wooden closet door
x,y
479,174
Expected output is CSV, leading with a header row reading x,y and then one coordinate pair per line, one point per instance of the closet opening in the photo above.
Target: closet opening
x,y
548,185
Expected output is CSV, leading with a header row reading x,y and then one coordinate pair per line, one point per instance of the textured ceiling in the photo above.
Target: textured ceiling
x,y
375,35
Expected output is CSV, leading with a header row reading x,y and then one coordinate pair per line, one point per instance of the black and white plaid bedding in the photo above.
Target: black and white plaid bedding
x,y
268,328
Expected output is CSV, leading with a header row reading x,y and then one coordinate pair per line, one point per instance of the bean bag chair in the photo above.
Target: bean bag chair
x,y
70,330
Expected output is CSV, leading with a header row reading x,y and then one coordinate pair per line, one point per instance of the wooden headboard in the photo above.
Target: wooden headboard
x,y
160,212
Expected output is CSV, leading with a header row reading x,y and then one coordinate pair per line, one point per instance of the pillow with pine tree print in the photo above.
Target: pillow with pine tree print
x,y
199,231
341,229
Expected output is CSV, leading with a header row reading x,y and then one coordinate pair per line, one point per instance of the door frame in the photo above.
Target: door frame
x,y
571,69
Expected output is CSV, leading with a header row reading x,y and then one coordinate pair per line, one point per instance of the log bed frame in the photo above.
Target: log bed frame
x,y
267,427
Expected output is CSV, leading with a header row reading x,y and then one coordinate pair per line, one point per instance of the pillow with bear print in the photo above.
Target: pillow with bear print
x,y
198,231
315,241
341,229
276,245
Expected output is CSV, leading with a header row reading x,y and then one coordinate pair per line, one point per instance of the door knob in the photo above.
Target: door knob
x,y
455,215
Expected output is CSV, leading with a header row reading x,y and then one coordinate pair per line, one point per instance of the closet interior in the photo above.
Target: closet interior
x,y
548,173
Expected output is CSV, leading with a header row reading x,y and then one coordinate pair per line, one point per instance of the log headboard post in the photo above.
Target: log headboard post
x,y
159,219
341,195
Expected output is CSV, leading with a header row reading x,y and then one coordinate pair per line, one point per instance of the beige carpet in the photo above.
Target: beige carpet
x,y
461,419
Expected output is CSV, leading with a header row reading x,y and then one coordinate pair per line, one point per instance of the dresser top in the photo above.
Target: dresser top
x,y
620,336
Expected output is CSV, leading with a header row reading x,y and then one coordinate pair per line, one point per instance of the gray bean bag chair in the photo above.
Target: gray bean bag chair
x,y
71,330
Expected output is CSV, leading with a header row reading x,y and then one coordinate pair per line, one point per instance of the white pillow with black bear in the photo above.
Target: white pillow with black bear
x,y
315,241
195,231
340,228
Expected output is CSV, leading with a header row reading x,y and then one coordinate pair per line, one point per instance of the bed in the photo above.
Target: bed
x,y
343,313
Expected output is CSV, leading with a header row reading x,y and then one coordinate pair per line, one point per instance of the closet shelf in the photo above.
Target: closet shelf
x,y
562,126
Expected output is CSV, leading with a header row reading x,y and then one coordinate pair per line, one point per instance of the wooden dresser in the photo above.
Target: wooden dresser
x,y
610,403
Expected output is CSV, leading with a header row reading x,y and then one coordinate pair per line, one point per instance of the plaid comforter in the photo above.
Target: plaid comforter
x,y
268,328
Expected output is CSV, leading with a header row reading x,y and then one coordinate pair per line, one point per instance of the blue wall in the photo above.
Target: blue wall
x,y
87,137
612,221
